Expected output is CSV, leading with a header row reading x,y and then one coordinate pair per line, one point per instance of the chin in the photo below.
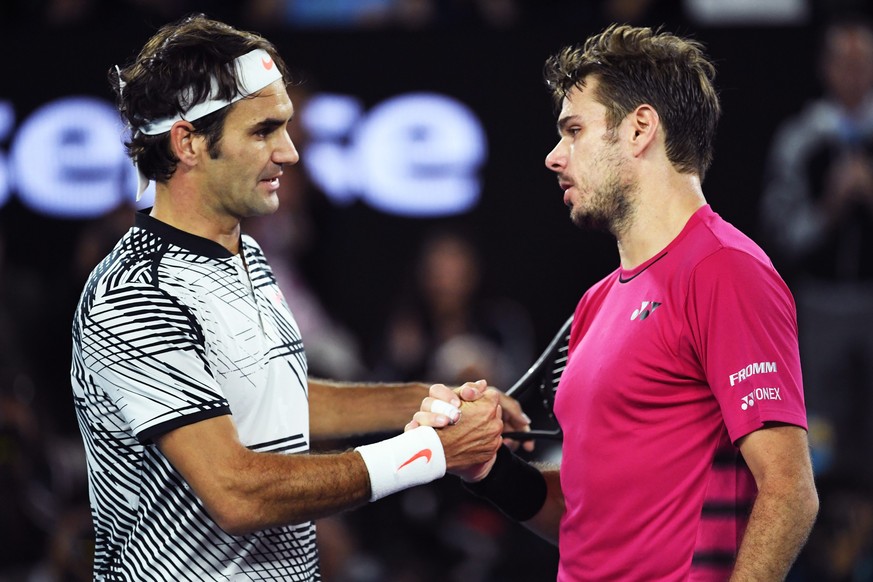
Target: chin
x,y
268,204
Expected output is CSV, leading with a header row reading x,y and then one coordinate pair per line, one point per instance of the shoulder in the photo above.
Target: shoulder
x,y
600,289
720,241
135,274
728,261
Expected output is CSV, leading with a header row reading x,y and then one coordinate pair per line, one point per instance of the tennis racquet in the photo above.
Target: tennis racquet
x,y
541,382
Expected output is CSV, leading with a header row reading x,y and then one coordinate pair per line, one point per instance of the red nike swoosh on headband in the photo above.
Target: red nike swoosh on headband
x,y
267,62
422,454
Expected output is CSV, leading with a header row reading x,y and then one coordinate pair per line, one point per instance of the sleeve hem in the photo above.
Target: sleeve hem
x,y
757,424
148,435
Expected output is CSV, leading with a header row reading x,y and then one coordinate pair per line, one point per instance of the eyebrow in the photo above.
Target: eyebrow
x,y
269,123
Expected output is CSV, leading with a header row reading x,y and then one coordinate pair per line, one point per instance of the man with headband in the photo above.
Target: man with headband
x,y
189,374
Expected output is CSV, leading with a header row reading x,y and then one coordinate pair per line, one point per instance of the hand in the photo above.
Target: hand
x,y
514,418
471,444
472,396
442,406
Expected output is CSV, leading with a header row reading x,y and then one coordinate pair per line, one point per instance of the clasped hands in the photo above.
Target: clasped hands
x,y
470,420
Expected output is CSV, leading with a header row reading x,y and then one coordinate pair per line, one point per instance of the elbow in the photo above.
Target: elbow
x,y
234,507
803,504
811,503
233,516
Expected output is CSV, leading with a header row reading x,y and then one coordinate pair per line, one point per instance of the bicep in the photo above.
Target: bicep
x,y
205,454
777,453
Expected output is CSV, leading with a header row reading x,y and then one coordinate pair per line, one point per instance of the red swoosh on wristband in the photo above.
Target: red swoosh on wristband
x,y
422,454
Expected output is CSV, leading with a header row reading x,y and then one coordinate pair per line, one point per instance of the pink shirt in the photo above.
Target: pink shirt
x,y
670,364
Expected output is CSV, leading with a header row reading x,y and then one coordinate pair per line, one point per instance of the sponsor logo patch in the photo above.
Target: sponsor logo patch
x,y
758,394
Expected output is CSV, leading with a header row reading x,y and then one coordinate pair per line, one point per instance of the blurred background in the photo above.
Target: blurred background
x,y
421,237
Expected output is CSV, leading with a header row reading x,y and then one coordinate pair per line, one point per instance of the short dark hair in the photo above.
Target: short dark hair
x,y
636,66
181,57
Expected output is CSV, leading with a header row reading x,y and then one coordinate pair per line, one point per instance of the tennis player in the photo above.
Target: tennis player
x,y
189,373
685,452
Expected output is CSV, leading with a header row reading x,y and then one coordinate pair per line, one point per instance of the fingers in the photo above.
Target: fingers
x,y
513,415
441,412
476,438
444,393
472,391
441,407
516,421
425,418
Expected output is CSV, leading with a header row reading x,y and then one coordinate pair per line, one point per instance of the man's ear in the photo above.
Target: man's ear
x,y
644,123
185,143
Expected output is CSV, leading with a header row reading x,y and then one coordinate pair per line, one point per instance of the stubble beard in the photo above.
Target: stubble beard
x,y
611,207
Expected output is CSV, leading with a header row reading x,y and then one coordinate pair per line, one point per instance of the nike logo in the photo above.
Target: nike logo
x,y
422,454
267,62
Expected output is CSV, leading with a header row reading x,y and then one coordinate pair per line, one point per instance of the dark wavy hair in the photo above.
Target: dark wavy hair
x,y
180,60
636,66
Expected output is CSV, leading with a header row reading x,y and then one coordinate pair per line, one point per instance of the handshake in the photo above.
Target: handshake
x,y
457,431
470,422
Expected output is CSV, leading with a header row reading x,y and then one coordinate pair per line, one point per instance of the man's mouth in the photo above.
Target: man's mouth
x,y
273,182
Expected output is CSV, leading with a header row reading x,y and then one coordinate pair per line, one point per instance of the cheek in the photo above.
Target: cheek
x,y
582,168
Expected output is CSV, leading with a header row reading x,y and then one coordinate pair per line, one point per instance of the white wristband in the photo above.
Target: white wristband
x,y
414,458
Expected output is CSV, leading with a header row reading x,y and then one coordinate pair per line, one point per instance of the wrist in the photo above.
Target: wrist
x,y
513,486
413,458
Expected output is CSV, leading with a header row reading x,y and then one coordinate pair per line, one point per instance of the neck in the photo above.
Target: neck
x,y
178,209
666,200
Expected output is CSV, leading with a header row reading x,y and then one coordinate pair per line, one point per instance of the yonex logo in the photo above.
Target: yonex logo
x,y
758,394
645,310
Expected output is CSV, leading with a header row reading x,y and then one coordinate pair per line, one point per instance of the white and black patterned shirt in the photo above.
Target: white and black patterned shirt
x,y
172,329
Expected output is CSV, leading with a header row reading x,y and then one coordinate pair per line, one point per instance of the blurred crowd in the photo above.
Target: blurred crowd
x,y
337,14
266,15
816,220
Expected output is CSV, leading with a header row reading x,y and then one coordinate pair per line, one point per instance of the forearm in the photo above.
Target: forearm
x,y
547,522
779,525
529,495
339,410
243,490
270,490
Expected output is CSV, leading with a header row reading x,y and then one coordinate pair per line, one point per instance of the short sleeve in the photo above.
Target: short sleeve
x,y
743,323
146,350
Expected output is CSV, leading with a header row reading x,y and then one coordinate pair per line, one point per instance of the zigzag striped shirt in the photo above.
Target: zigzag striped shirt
x,y
172,329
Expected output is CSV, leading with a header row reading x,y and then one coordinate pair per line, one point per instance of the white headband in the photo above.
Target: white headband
x,y
255,70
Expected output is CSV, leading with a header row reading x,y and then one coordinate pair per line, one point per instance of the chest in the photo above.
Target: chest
x,y
634,363
248,330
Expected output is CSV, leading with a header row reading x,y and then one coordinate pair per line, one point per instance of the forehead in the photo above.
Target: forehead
x,y
272,102
580,103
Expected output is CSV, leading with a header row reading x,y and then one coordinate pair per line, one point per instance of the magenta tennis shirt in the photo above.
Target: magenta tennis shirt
x,y
670,364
